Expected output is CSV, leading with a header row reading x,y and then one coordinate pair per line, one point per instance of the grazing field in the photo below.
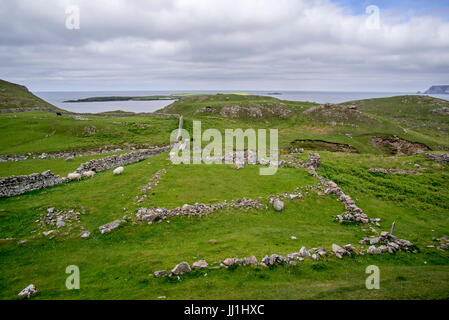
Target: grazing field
x,y
38,132
120,264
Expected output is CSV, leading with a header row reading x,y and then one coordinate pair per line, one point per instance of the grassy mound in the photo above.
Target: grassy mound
x,y
14,96
241,107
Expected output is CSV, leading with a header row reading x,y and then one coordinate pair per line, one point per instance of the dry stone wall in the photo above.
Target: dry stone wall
x,y
98,165
16,185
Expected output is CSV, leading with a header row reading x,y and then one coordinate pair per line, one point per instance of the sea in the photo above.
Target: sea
x,y
57,98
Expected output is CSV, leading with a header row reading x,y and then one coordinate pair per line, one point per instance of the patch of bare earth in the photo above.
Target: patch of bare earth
x,y
394,145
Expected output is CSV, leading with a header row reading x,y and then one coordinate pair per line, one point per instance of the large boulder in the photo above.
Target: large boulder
x,y
180,269
228,262
278,205
304,252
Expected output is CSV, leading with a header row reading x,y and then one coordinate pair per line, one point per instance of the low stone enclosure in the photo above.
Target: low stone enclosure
x,y
15,185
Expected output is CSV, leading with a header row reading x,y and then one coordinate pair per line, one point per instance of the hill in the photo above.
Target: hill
x,y
403,125
15,96
252,108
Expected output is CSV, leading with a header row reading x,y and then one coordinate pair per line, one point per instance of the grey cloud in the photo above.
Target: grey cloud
x,y
201,44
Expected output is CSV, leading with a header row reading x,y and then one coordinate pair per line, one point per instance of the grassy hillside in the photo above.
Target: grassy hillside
x,y
39,132
414,113
296,121
13,96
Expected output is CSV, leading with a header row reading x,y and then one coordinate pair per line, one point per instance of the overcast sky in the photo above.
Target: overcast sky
x,y
226,45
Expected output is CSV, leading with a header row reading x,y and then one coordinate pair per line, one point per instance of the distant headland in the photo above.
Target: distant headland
x,y
444,89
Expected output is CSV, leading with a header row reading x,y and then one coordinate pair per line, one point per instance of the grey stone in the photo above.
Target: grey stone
x,y
180,269
160,273
304,253
29,291
337,249
278,205
108,227
85,234
199,264
252,260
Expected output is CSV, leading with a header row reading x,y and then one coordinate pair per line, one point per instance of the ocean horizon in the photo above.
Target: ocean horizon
x,y
57,98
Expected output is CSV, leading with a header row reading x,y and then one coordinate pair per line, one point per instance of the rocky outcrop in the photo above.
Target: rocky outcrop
x,y
15,185
444,158
397,146
441,111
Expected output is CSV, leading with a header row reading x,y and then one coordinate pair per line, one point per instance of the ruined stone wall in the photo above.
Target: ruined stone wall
x,y
15,185
119,160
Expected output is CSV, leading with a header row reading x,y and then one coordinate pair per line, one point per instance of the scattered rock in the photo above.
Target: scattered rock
x,y
29,291
252,260
85,234
278,205
160,273
199,264
228,262
304,253
180,269
108,227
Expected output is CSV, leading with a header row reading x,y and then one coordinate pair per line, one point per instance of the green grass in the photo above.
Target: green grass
x,y
117,265
39,132
355,128
14,96
57,166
